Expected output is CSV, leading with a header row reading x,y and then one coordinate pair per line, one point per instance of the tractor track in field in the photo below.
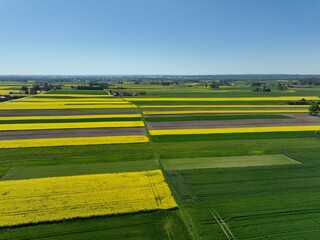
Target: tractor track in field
x,y
156,155
217,218
224,227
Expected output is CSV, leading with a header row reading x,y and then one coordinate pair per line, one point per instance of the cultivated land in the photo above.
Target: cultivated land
x,y
227,162
245,165
61,198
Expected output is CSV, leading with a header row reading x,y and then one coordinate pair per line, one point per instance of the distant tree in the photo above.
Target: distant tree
x,y
282,87
266,89
215,85
314,109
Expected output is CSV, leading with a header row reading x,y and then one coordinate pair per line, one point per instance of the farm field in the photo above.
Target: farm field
x,y
61,198
227,162
230,163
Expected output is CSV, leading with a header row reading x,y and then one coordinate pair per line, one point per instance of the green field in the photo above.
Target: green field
x,y
162,225
227,162
75,154
228,186
276,202
27,172
233,136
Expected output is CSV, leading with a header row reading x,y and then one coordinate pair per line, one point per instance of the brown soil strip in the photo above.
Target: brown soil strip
x,y
208,114
305,120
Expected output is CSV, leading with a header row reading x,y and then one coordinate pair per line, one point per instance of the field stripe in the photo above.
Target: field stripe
x,y
61,198
288,98
75,95
228,162
71,117
44,106
46,126
226,111
51,142
224,106
235,130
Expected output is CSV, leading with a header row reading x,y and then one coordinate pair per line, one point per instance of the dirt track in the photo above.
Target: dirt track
x,y
10,135
299,119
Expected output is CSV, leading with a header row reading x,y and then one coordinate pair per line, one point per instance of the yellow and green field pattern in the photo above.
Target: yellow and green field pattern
x,y
61,198
77,141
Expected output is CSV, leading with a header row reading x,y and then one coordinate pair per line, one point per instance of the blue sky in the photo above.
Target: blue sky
x,y
159,36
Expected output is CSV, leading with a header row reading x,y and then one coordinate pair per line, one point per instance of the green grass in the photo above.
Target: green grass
x,y
214,117
222,148
75,154
157,225
275,202
77,169
227,162
231,136
70,120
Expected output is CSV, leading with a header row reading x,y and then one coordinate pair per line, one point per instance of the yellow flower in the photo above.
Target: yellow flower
x,y
61,198
38,126
71,117
46,142
235,130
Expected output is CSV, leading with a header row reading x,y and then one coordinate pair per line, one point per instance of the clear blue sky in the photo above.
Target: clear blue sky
x,y
159,36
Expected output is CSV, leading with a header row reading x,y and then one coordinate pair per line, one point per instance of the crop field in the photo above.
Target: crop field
x,y
225,111
60,105
182,161
232,99
211,117
71,141
236,130
227,162
37,126
60,198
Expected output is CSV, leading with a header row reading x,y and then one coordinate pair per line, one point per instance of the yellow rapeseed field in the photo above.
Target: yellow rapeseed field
x,y
61,198
227,111
287,98
17,105
83,99
68,102
235,130
77,95
4,92
134,115
39,126
224,106
50,142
